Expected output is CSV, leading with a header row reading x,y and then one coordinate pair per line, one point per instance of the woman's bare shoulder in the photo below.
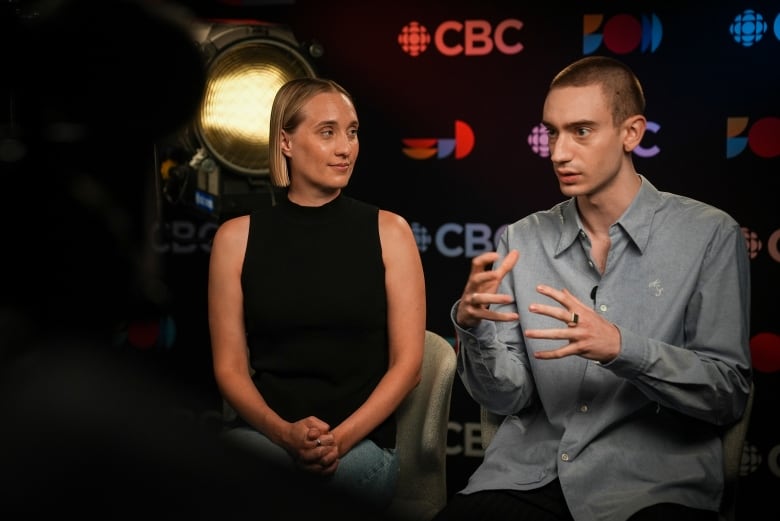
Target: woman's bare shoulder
x,y
232,230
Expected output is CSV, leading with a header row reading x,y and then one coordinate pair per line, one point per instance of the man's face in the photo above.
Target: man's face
x,y
585,146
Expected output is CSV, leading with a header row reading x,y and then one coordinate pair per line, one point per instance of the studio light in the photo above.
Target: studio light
x,y
221,167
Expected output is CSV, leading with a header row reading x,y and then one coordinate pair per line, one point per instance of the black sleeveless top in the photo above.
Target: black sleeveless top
x,y
316,309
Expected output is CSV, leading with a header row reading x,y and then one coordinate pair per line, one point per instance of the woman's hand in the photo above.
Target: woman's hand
x,y
313,446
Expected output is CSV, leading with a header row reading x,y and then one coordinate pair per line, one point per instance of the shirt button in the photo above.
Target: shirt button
x,y
590,263
564,457
584,407
603,307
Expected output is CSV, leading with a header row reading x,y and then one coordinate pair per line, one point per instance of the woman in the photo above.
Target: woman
x,y
327,296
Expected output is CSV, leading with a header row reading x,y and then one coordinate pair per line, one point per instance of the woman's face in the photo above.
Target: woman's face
x,y
323,148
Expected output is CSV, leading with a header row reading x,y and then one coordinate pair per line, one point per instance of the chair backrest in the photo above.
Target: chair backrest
x,y
733,444
423,419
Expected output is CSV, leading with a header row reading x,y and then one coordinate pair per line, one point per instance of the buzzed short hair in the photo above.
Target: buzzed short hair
x,y
620,86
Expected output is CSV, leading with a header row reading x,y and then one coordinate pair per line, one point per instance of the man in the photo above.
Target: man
x,y
612,331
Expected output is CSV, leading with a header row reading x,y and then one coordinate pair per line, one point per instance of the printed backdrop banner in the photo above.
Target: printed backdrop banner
x,y
450,98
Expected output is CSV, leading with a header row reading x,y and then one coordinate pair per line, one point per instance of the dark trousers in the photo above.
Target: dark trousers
x,y
546,504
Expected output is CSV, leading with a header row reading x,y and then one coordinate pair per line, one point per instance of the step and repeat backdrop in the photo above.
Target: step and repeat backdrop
x,y
449,98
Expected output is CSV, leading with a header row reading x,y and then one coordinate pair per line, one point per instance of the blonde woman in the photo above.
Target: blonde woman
x,y
326,294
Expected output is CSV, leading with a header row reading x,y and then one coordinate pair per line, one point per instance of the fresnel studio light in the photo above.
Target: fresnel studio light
x,y
219,164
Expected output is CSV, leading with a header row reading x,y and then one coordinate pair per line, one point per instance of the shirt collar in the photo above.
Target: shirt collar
x,y
637,220
570,225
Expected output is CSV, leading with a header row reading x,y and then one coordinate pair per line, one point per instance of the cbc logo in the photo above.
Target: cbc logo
x,y
183,237
468,38
755,245
749,27
457,240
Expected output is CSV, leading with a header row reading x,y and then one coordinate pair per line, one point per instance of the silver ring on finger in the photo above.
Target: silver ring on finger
x,y
575,319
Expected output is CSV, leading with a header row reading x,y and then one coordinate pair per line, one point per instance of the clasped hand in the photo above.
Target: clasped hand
x,y
591,336
313,446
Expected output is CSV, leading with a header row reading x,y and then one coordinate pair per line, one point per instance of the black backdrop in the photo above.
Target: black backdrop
x,y
697,78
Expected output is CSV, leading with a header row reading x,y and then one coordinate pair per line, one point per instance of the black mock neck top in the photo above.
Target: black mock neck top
x,y
316,309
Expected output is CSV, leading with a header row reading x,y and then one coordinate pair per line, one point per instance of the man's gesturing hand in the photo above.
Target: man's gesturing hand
x,y
480,290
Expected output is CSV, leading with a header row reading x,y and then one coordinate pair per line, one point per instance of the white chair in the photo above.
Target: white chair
x,y
733,443
421,441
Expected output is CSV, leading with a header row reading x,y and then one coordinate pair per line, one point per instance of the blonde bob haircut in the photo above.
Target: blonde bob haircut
x,y
286,115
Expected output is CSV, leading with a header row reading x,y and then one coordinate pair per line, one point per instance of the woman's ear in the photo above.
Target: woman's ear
x,y
285,143
634,128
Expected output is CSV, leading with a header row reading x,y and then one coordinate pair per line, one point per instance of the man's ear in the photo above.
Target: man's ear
x,y
285,143
634,130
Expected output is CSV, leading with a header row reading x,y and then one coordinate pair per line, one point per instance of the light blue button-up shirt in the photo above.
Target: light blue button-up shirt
x,y
643,428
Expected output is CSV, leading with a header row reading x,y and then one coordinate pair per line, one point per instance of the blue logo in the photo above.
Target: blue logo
x,y
748,28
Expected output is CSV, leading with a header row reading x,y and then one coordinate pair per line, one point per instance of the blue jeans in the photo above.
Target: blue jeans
x,y
368,473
